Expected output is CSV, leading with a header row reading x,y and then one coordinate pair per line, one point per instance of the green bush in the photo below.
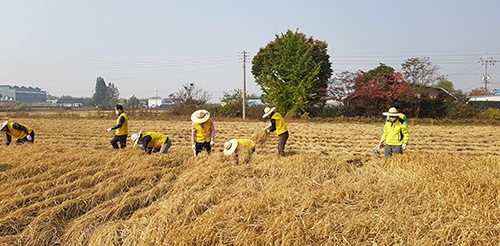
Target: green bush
x,y
461,111
490,113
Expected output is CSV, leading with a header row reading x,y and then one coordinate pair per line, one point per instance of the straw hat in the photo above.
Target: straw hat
x,y
392,112
230,146
4,124
200,116
268,111
135,137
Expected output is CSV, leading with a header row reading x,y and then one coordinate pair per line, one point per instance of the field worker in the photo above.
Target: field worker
x,y
240,147
152,142
121,128
202,132
22,132
277,124
395,134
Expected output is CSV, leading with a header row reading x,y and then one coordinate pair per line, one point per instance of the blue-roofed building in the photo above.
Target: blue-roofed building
x,y
486,101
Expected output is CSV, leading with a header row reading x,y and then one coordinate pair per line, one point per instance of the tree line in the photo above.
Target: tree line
x,y
295,74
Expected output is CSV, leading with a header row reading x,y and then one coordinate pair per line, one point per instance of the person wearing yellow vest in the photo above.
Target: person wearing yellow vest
x,y
121,128
277,124
22,132
152,142
240,148
202,132
395,134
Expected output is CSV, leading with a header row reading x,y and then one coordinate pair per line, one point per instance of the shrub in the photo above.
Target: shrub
x,y
490,113
461,111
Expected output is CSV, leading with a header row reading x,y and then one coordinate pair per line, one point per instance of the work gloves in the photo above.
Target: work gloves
x,y
29,138
403,146
381,144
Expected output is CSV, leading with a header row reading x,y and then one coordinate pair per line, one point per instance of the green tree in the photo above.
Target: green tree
x,y
444,83
292,71
101,92
133,102
105,96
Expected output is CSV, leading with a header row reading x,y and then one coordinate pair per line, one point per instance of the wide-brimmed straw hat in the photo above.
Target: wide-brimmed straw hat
x,y
268,111
230,146
135,137
4,124
200,116
392,112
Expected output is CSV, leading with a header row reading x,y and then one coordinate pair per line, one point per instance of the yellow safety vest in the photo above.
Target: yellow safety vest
x,y
123,130
157,139
280,123
17,133
203,134
246,144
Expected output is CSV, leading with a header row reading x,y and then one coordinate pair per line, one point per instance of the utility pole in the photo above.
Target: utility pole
x,y
485,62
244,84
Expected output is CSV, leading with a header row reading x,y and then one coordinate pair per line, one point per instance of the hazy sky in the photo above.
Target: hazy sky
x,y
154,47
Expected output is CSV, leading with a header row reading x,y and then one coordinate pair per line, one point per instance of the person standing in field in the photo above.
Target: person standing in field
x,y
22,132
121,128
152,142
240,147
395,134
202,132
277,123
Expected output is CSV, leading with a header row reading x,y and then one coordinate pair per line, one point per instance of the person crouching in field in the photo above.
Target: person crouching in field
x,y
202,132
239,148
277,124
22,132
121,128
395,135
152,142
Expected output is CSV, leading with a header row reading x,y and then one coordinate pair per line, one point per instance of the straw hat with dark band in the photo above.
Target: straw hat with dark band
x,y
230,146
200,116
268,111
392,112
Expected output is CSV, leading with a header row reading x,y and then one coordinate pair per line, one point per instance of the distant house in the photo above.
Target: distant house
x,y
22,94
71,102
254,101
486,101
158,102
434,92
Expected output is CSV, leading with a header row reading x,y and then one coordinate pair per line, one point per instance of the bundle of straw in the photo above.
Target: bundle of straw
x,y
260,136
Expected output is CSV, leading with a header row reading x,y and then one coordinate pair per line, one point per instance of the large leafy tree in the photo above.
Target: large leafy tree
x,y
373,92
292,71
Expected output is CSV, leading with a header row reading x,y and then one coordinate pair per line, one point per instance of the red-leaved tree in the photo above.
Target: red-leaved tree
x,y
370,93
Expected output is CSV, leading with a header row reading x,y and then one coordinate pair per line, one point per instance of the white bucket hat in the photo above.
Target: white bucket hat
x,y
135,137
4,124
230,146
392,112
268,111
200,116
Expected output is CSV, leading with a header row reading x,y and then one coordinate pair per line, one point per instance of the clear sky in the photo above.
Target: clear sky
x,y
153,47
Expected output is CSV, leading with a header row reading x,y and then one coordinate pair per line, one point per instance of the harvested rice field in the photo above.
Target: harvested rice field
x,y
72,188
